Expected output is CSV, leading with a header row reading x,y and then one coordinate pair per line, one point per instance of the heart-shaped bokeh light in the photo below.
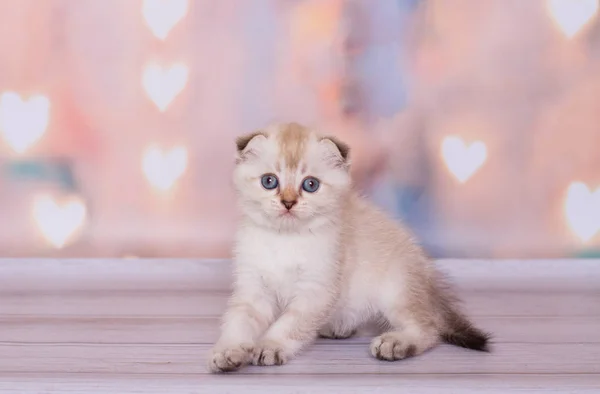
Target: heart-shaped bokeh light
x,y
162,85
572,15
163,168
59,222
162,16
23,121
462,160
582,210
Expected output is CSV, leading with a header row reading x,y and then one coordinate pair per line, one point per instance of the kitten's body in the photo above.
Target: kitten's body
x,y
327,265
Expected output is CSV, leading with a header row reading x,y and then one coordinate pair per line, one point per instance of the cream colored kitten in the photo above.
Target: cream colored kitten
x,y
312,257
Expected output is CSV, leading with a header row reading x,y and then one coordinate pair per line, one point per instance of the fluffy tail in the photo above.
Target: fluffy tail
x,y
455,328
460,331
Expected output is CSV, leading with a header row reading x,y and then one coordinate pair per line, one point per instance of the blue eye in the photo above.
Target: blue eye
x,y
269,181
310,185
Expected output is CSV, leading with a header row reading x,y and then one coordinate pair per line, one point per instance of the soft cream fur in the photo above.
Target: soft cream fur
x,y
335,263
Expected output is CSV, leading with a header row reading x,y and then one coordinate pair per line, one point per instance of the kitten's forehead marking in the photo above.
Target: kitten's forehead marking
x,y
293,140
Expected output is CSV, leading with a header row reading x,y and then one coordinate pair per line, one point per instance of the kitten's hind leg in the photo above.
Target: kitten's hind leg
x,y
330,331
341,325
408,337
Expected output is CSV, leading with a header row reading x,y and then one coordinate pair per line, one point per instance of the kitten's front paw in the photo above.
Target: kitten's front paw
x,y
229,359
390,347
269,353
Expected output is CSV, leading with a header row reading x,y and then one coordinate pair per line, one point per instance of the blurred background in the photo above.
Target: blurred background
x,y
476,122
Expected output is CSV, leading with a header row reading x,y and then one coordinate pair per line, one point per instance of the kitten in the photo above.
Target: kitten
x,y
314,258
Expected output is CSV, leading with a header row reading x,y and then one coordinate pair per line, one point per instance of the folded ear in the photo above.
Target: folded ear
x,y
340,149
341,146
244,145
242,141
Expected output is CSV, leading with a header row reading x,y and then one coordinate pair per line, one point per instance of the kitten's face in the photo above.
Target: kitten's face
x,y
289,179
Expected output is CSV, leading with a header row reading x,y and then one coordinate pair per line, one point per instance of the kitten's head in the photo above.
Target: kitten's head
x,y
289,178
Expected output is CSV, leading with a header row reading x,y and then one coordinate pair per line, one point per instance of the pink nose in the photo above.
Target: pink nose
x,y
288,204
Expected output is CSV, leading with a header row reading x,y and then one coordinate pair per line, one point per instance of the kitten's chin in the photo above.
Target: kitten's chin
x,y
287,221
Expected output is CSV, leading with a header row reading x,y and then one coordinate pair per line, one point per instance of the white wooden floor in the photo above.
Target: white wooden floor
x,y
145,326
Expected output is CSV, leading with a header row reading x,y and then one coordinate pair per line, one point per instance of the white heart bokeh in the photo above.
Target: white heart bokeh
x,y
23,121
59,222
572,15
163,168
462,160
162,16
162,85
582,210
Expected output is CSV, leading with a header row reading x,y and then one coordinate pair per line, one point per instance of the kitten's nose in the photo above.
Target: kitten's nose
x,y
288,203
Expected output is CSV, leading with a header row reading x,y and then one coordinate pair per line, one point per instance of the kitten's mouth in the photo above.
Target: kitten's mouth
x,y
287,214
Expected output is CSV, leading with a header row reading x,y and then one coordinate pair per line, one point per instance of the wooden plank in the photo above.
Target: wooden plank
x,y
205,330
51,275
532,275
41,275
347,384
531,303
351,357
112,303
135,303
120,330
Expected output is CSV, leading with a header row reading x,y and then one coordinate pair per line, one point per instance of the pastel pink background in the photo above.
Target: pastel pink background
x,y
393,83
